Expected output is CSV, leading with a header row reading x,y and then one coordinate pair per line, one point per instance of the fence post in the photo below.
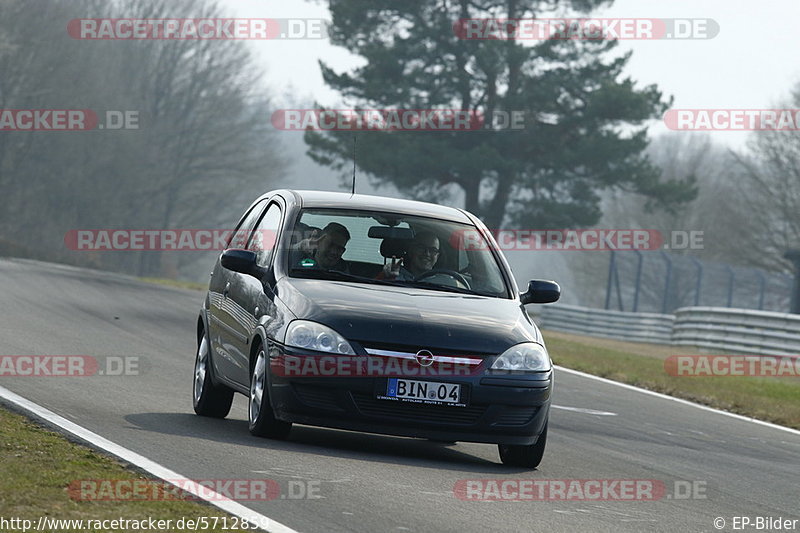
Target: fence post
x,y
611,270
794,257
666,284
699,283
638,281
730,284
763,288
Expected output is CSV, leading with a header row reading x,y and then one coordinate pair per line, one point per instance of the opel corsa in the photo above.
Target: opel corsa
x,y
378,315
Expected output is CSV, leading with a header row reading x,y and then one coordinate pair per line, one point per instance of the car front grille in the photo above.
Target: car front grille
x,y
387,409
413,349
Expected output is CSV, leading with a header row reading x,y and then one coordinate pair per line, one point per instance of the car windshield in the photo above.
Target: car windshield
x,y
393,249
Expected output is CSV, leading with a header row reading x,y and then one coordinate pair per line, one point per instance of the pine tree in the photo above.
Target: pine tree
x,y
583,121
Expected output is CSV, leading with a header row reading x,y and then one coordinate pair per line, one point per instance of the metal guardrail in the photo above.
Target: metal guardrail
x,y
639,327
722,329
737,330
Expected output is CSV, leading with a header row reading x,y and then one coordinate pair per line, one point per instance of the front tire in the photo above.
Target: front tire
x,y
527,456
260,415
208,399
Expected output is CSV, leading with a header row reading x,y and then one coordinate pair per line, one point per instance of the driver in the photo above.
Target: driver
x,y
423,252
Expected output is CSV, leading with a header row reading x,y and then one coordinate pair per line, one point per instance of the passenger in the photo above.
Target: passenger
x,y
423,252
323,249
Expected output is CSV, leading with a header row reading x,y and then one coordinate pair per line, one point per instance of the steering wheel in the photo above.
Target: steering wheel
x,y
452,273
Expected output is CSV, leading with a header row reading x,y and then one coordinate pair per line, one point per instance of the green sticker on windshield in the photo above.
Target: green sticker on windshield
x,y
308,262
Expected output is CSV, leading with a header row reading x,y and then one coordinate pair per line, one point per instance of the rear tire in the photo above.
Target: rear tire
x,y
528,456
208,399
262,421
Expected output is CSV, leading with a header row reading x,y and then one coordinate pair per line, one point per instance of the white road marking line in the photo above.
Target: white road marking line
x,y
677,400
236,509
583,410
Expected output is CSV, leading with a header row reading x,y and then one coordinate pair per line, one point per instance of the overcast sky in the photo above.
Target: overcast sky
x,y
752,63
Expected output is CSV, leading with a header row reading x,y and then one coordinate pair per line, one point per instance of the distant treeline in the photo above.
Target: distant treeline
x,y
202,149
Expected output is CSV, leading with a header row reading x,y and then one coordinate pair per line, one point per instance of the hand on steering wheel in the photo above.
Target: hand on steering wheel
x,y
452,273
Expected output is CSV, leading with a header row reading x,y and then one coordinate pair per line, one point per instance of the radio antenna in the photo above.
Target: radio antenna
x,y
354,165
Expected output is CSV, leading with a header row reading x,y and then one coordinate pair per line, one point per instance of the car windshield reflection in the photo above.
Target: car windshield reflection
x,y
401,250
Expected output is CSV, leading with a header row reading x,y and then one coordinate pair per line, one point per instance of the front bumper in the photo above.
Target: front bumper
x,y
500,409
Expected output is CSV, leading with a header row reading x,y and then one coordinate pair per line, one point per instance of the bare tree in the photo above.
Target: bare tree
x,y
713,211
770,195
204,143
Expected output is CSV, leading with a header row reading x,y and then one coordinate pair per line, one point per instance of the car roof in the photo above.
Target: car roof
x,y
342,200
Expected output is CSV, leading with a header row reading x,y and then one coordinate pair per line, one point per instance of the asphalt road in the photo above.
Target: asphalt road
x,y
370,483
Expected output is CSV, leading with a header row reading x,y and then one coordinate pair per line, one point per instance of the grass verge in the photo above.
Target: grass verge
x,y
38,466
774,400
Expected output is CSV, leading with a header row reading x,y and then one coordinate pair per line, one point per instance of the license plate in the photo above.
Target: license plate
x,y
423,391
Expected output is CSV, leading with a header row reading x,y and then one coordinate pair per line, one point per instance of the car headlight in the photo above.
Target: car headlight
x,y
312,336
528,356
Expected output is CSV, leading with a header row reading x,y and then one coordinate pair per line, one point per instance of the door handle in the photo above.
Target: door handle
x,y
226,290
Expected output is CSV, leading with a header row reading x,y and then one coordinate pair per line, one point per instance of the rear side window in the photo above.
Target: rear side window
x,y
266,235
242,233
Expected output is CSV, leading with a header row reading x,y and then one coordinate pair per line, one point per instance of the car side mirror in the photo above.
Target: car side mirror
x,y
242,261
541,292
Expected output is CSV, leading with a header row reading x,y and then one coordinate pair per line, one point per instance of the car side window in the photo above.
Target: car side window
x,y
241,235
266,235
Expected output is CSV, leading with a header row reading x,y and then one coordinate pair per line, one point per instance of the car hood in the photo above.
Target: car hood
x,y
382,315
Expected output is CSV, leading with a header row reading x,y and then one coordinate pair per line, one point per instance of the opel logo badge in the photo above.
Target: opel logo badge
x,y
424,358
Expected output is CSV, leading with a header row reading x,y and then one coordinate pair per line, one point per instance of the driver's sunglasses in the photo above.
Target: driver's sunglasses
x,y
430,250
